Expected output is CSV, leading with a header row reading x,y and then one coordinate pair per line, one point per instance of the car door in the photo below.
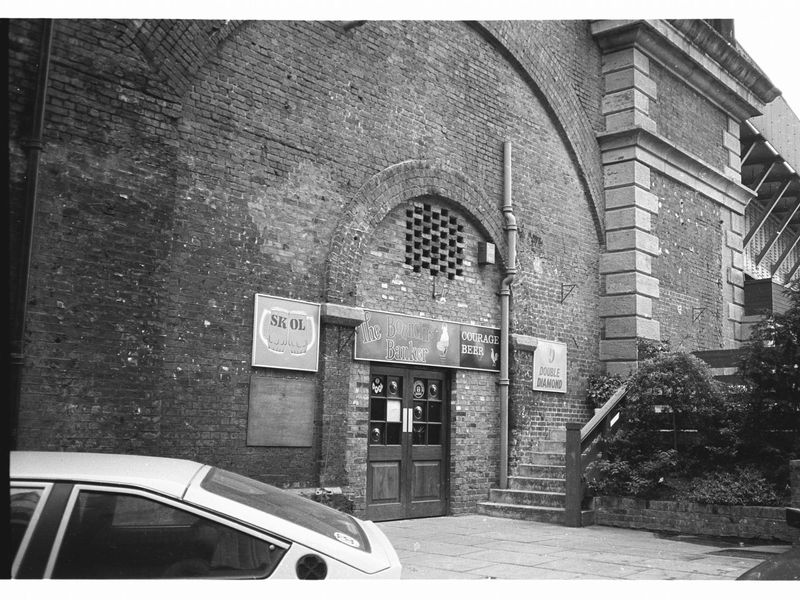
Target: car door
x,y
122,533
82,531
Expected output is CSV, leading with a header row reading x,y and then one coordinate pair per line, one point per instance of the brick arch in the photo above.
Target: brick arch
x,y
175,50
544,75
384,191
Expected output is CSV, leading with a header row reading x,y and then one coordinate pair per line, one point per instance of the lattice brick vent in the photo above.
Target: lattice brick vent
x,y
434,240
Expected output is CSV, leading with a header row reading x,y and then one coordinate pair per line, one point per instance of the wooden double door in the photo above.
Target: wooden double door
x,y
407,436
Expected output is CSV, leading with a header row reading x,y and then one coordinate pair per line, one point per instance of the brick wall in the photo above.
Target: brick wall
x,y
174,188
687,118
746,522
689,268
475,439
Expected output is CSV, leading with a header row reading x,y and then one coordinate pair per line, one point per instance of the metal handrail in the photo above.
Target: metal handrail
x,y
581,438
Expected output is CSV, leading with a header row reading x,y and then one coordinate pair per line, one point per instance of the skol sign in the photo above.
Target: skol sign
x,y
285,334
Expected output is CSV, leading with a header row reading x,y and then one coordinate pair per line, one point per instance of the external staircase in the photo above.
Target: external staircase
x,y
536,491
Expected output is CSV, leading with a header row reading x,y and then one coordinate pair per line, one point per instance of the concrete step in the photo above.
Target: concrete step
x,y
547,458
527,498
541,470
552,446
526,513
530,513
537,484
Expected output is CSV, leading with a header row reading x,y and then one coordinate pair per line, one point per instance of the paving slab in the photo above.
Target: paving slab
x,y
484,547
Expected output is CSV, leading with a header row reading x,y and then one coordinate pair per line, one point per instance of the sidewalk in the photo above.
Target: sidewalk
x,y
481,547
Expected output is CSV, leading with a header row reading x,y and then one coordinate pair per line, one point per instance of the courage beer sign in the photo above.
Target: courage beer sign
x,y
285,333
395,338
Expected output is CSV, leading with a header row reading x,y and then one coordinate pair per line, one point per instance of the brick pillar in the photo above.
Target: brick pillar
x,y
626,265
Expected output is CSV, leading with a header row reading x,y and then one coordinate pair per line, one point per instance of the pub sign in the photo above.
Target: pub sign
x,y
285,333
550,367
390,337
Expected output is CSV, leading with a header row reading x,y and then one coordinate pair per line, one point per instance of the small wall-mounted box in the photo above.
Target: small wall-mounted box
x,y
485,253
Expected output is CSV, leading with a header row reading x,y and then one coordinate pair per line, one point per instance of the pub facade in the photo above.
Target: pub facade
x,y
383,257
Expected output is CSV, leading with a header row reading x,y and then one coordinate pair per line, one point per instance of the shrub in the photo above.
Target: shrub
x,y
600,388
647,349
640,479
669,392
771,363
745,486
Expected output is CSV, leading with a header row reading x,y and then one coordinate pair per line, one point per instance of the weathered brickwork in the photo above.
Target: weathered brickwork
x,y
691,518
689,268
475,439
189,165
533,415
688,119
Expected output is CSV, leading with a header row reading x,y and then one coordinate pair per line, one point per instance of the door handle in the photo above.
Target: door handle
x,y
408,419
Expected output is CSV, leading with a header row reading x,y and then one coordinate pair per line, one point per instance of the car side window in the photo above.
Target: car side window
x,y
23,503
114,535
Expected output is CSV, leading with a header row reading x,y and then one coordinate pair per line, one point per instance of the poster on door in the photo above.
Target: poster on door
x,y
550,367
285,333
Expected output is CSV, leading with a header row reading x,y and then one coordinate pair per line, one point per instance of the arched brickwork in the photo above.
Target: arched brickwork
x,y
176,49
371,204
542,72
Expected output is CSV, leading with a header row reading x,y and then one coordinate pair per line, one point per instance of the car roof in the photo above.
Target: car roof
x,y
169,476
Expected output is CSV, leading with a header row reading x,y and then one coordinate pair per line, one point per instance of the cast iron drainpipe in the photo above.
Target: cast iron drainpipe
x,y
34,146
505,293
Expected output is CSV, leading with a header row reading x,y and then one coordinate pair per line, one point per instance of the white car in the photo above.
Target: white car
x,y
111,516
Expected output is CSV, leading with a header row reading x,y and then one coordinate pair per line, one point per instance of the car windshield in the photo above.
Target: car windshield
x,y
288,506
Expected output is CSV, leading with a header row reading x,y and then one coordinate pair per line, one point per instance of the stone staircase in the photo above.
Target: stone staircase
x,y
537,491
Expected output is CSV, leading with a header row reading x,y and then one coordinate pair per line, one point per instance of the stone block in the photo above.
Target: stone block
x,y
627,283
734,128
630,78
628,119
628,57
737,260
735,312
732,174
731,142
616,350
735,161
627,217
632,239
631,196
735,277
631,172
625,260
626,304
625,327
733,240
737,223
738,295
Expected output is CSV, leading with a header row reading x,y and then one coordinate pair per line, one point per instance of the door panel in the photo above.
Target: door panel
x,y
385,481
407,457
426,485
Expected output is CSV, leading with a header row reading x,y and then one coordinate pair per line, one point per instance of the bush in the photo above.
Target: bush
x,y
745,486
670,392
647,349
642,479
771,364
600,388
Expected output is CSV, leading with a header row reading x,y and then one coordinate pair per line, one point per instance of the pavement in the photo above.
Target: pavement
x,y
483,547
